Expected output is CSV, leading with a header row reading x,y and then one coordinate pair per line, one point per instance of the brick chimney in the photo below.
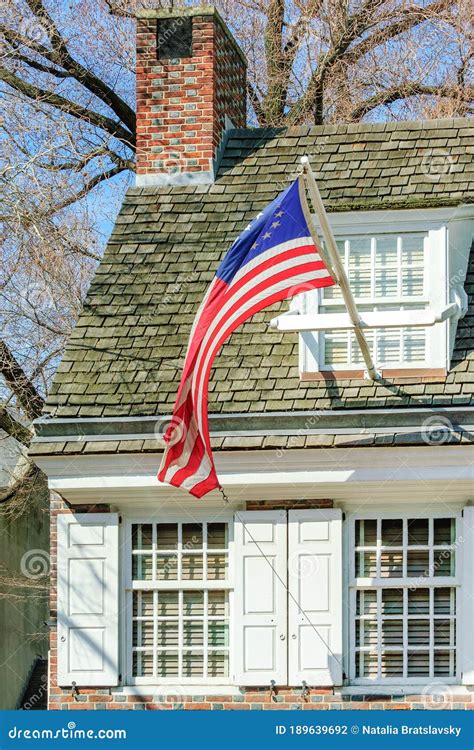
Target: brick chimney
x,y
190,89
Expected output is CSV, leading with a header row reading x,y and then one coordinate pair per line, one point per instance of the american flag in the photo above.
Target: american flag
x,y
274,258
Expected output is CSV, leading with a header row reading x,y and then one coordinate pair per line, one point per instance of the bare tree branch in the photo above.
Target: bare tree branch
x,y
27,396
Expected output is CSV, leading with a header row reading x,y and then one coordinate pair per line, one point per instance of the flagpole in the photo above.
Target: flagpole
x,y
338,267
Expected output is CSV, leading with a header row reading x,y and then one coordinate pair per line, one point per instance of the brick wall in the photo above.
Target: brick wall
x,y
182,103
286,698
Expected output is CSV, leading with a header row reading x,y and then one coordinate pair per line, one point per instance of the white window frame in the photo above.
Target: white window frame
x,y
354,584
443,263
128,586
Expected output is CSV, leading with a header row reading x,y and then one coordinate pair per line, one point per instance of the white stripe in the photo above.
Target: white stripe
x,y
302,278
251,265
271,252
189,442
285,265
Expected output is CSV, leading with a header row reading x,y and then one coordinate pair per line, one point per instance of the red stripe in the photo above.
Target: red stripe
x,y
288,273
188,471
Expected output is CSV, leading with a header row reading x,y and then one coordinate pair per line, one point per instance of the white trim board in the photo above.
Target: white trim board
x,y
431,473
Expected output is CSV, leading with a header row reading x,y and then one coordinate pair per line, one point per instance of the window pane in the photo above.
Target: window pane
x,y
168,603
217,536
391,564
366,565
388,346
366,664
418,601
418,563
444,563
366,633
193,603
392,601
143,633
418,663
192,567
444,531
392,664
217,604
142,567
392,533
414,345
168,633
192,536
386,267
367,602
335,348
412,265
444,601
143,664
366,533
167,536
360,267
418,531
218,633
392,633
143,604
166,567
418,632
218,664
142,536
444,663
167,664
444,633
216,567
193,633
193,664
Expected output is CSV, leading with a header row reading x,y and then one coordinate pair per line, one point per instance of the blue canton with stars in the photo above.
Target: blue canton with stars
x,y
281,221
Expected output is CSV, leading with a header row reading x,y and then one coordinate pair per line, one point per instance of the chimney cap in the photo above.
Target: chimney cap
x,y
195,10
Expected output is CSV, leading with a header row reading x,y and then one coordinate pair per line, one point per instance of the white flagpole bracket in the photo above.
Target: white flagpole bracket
x,y
338,269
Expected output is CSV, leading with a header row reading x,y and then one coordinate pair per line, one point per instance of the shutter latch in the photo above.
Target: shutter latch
x,y
304,689
272,690
74,690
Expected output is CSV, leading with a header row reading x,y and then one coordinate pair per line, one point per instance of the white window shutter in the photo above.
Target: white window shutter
x,y
260,597
88,599
466,606
315,600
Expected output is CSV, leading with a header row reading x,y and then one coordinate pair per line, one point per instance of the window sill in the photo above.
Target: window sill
x,y
180,689
398,376
418,689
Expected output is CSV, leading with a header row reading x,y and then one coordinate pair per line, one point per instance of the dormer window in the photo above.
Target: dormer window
x,y
406,270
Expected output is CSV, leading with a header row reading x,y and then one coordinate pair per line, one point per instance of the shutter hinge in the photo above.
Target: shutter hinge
x,y
120,519
120,678
343,516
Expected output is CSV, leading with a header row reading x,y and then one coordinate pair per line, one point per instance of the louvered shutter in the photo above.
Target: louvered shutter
x,y
315,600
466,652
260,597
88,599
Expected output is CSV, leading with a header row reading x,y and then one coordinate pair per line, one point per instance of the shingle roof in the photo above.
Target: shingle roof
x,y
125,354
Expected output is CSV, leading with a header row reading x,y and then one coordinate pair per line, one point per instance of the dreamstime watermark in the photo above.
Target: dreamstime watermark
x,y
438,565
437,430
292,442
34,31
42,691
303,566
177,288
69,732
170,431
436,695
35,564
437,166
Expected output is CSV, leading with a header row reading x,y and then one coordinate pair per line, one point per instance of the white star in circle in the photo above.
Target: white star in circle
x,y
266,235
279,214
276,224
252,247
